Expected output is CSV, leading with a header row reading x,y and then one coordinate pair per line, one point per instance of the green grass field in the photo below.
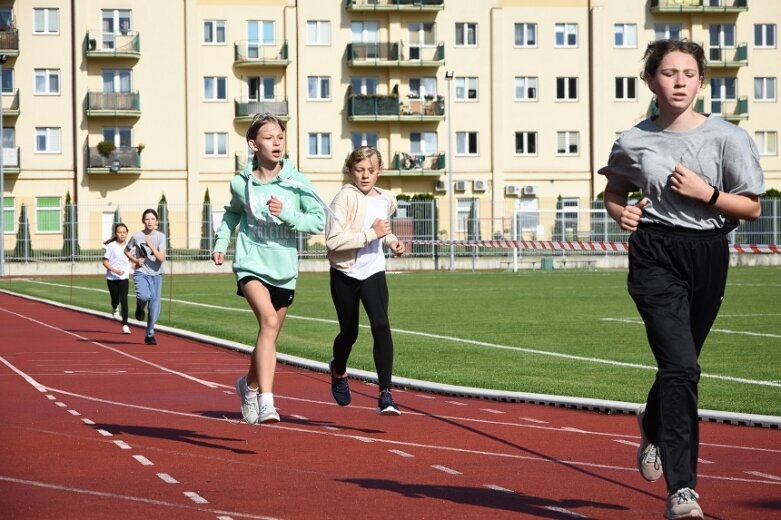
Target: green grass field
x,y
572,333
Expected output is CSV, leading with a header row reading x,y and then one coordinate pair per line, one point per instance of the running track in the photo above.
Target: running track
x,y
98,425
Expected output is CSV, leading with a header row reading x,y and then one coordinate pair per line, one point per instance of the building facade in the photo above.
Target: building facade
x,y
490,106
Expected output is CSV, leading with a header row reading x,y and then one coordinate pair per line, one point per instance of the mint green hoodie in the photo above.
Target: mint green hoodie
x,y
266,245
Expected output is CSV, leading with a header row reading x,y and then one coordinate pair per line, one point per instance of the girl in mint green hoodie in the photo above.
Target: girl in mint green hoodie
x,y
271,202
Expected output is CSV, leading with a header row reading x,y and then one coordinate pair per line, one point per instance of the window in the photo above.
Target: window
x,y
625,36
626,88
466,88
260,33
423,87
115,21
566,89
566,35
215,88
364,85
261,88
214,31
9,217
723,91
420,35
318,87
466,35
47,81
526,35
318,32
667,31
319,144
215,144
359,139
47,140
525,143
121,136
567,143
721,38
525,88
46,21
467,217
47,215
423,143
767,142
764,89
8,80
365,40
765,35
116,80
466,143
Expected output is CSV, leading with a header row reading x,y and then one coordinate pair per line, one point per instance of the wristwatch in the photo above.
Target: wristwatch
x,y
714,197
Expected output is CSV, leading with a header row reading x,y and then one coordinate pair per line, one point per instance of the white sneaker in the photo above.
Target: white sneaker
x,y
116,315
268,414
249,401
683,504
125,329
649,461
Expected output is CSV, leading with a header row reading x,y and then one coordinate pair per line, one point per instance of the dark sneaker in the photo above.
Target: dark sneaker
x,y
140,315
150,340
385,404
340,387
649,461
683,504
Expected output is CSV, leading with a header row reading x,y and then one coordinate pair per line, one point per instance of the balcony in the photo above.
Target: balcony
x,y
728,57
252,53
395,5
99,44
245,109
11,103
699,6
376,107
129,158
394,54
11,160
733,110
416,165
9,41
113,104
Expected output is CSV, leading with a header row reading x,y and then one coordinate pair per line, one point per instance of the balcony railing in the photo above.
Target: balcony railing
x,y
730,109
11,103
113,104
700,6
99,44
409,164
253,52
9,41
376,107
245,109
11,160
395,5
728,56
395,54
129,158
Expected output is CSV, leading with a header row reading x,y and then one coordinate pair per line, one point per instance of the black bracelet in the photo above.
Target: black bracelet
x,y
714,197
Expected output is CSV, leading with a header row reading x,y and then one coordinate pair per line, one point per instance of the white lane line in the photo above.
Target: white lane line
x,y
536,421
122,445
50,397
61,404
89,422
456,403
491,410
195,497
628,443
763,475
565,511
299,417
402,453
143,460
447,470
499,488
74,412
168,479
104,433
723,331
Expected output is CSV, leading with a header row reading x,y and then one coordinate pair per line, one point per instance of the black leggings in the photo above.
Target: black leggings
x,y
347,294
118,291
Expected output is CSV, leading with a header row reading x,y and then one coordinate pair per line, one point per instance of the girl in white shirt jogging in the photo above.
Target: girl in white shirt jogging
x,y
117,266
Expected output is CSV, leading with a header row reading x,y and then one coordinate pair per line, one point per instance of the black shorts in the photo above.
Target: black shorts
x,y
279,297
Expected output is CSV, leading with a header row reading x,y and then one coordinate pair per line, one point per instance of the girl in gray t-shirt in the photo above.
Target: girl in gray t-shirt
x,y
699,176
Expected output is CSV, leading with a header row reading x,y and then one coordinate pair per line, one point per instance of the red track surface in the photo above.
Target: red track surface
x,y
99,425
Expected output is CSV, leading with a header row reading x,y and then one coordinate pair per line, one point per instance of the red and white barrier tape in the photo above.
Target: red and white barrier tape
x,y
570,245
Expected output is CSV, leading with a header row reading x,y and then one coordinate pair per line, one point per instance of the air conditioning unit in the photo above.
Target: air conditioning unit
x,y
479,185
440,186
459,186
512,190
530,190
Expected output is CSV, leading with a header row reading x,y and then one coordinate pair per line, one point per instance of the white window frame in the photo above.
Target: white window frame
x,y
46,77
467,143
566,82
52,139
567,138
358,139
523,32
215,26
528,87
318,88
213,84
466,34
763,33
318,32
261,93
466,88
424,143
625,36
565,32
667,31
622,93
319,144
365,85
215,144
39,211
46,20
765,89
767,142
529,140
121,136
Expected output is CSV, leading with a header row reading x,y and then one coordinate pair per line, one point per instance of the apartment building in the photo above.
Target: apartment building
x,y
491,106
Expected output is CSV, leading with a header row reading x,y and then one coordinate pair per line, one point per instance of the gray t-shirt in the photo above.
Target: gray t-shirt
x,y
724,155
137,246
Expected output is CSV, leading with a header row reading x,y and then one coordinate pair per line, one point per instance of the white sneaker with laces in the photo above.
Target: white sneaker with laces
x,y
116,315
683,504
268,414
649,461
249,401
125,329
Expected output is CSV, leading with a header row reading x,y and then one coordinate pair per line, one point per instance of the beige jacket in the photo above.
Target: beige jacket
x,y
344,235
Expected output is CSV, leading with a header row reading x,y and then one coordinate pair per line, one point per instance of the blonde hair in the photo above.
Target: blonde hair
x,y
261,119
359,154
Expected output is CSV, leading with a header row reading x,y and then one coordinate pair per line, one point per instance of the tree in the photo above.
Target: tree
x,y
23,250
162,223
207,228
